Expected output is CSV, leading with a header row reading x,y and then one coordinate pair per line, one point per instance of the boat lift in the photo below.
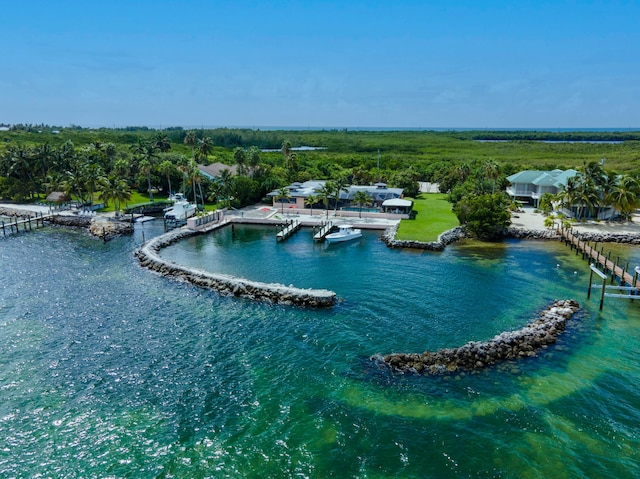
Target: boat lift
x,y
618,291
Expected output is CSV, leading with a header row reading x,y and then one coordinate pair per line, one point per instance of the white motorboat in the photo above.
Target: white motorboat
x,y
344,233
181,209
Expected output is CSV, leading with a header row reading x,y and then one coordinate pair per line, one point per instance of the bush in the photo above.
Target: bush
x,y
486,216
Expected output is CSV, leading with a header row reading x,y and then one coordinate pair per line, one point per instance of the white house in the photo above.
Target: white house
x,y
529,185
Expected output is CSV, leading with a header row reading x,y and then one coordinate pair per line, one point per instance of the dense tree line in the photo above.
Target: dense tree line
x,y
109,171
107,164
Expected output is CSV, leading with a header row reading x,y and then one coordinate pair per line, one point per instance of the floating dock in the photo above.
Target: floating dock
x,y
289,229
325,229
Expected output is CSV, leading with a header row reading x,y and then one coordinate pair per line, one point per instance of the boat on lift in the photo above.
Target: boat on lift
x,y
181,209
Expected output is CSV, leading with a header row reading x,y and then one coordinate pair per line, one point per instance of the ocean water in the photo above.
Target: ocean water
x,y
109,370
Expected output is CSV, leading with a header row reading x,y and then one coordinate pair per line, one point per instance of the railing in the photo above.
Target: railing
x,y
198,222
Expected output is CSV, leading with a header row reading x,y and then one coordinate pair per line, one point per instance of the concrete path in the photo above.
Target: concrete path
x,y
527,219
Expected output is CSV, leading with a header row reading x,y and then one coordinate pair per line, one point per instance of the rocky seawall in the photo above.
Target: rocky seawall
x,y
99,226
446,238
476,355
225,284
17,212
522,233
595,236
459,233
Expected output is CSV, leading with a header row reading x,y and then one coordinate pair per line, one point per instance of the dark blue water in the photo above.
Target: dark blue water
x,y
109,370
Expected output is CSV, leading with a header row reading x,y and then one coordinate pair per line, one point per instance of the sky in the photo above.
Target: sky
x,y
311,64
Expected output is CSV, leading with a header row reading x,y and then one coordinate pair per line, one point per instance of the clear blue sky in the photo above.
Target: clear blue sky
x,y
426,64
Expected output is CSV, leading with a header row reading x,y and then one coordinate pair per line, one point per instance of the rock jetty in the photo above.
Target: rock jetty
x,y
474,355
228,285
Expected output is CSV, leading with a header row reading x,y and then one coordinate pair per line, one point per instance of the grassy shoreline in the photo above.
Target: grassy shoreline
x,y
433,217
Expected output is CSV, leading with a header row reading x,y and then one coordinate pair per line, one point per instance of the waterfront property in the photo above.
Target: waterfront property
x,y
378,194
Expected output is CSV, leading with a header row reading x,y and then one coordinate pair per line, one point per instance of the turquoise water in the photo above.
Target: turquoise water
x,y
109,370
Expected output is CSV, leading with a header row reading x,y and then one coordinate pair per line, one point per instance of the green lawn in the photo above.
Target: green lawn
x,y
433,217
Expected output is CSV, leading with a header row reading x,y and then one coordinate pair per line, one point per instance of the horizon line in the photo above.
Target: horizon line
x,y
347,128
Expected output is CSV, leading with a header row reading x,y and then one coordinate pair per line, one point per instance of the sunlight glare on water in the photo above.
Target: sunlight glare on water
x,y
110,370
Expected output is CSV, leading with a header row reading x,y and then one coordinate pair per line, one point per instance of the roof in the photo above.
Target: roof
x,y
215,169
397,202
57,197
526,176
312,187
555,178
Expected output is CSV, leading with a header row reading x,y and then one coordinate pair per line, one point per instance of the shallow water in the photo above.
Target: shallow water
x,y
109,370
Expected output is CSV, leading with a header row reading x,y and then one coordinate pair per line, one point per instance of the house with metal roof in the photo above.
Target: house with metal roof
x,y
528,186
299,192
214,170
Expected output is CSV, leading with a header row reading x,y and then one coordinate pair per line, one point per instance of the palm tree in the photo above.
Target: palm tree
x,y
326,191
286,151
92,174
145,168
190,139
110,151
361,198
54,182
626,196
225,180
492,172
116,189
43,160
283,194
253,158
340,185
310,201
194,175
166,167
20,163
148,153
587,196
608,185
74,180
568,193
205,147
240,156
462,172
161,142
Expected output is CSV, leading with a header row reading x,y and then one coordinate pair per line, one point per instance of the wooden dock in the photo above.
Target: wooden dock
x,y
26,224
325,229
597,257
604,268
290,227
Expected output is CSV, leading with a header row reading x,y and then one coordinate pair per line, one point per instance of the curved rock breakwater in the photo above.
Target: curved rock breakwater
x,y
476,355
225,284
